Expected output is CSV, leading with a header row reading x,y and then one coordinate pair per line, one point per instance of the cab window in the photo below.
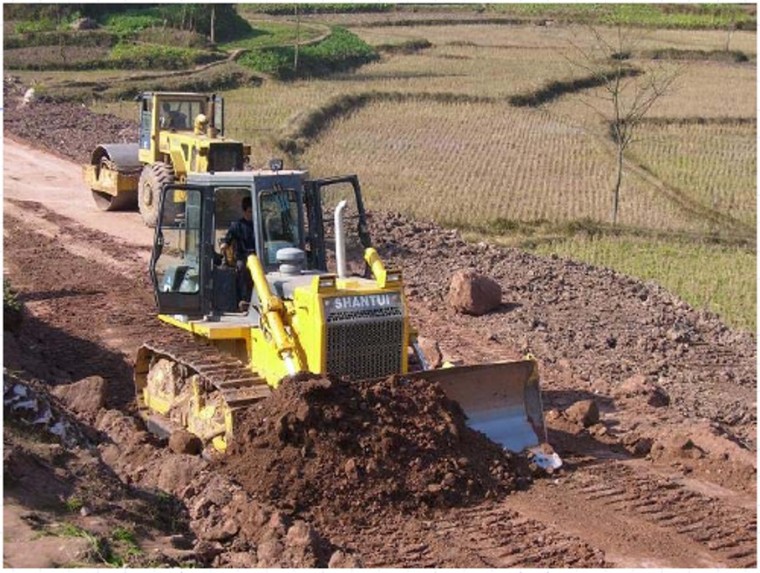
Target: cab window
x,y
279,220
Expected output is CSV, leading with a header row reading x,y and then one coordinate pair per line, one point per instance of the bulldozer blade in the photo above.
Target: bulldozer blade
x,y
502,400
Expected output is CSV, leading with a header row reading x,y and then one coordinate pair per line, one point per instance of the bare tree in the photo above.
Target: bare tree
x,y
625,93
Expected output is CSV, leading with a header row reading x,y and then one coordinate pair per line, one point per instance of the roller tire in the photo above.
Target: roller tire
x,y
152,179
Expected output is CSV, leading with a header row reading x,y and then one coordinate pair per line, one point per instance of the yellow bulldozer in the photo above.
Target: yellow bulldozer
x,y
179,133
322,301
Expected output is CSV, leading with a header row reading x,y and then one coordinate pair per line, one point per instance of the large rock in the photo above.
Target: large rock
x,y
342,560
85,397
472,293
183,442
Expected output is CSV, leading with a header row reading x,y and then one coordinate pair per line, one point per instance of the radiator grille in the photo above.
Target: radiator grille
x,y
365,343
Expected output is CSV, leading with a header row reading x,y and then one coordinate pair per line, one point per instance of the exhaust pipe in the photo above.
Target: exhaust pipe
x,y
340,241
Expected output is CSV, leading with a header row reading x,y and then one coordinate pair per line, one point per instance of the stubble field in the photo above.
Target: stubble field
x,y
432,133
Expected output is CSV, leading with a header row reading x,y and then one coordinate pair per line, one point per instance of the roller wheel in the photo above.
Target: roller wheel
x,y
122,201
152,179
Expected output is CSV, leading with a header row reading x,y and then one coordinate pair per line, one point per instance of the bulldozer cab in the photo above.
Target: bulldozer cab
x,y
322,197
190,274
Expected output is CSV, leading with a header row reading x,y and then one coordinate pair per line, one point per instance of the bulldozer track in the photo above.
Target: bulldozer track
x,y
239,385
488,535
726,531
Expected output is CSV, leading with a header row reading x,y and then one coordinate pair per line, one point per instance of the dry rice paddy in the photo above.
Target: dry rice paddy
x,y
474,163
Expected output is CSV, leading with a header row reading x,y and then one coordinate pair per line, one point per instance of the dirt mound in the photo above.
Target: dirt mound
x,y
65,129
360,448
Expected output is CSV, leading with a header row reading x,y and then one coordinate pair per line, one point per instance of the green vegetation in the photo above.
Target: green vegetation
x,y
340,51
160,37
688,16
290,9
267,34
115,550
129,23
12,308
74,504
9,297
148,57
719,278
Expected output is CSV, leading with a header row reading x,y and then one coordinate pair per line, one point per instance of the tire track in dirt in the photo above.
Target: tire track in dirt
x,y
644,520
726,531
487,535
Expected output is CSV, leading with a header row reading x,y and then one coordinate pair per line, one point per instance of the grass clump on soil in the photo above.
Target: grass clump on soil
x,y
115,550
722,279
340,51
12,308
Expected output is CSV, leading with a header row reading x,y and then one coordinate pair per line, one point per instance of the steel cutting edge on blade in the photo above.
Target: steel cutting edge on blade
x,y
501,400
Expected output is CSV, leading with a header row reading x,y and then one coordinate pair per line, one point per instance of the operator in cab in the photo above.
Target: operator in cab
x,y
237,244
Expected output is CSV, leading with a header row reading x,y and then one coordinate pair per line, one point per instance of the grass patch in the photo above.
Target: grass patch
x,y
73,504
115,550
340,51
684,16
268,34
718,278
289,9
155,56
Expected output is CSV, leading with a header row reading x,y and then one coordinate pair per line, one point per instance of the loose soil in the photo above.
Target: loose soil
x,y
669,469
398,443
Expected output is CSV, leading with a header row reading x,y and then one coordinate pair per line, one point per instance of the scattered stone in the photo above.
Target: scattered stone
x,y
637,445
85,397
343,560
181,542
473,293
431,351
301,535
269,552
175,473
638,386
242,560
223,531
29,96
585,412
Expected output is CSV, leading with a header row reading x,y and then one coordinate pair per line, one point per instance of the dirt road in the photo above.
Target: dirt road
x,y
665,478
